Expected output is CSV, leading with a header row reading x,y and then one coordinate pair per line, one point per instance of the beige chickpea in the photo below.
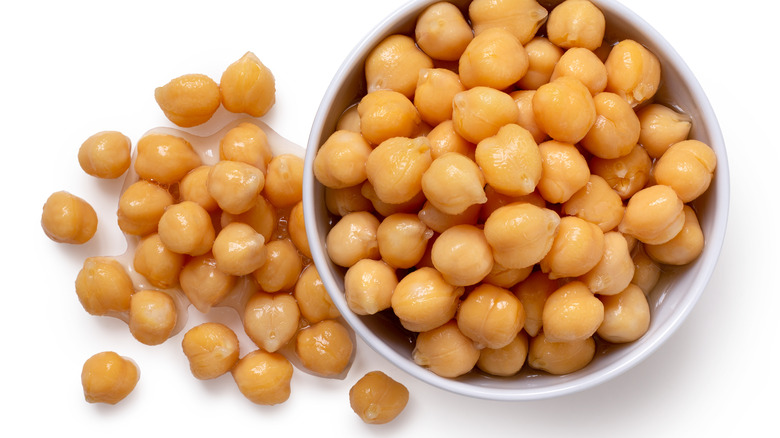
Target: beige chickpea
x,y
105,154
661,127
212,350
442,32
107,377
386,208
521,17
282,267
349,120
438,221
394,64
164,158
626,315
542,59
271,320
494,58
577,248
507,360
443,138
683,248
584,65
532,293
104,287
352,238
186,228
423,300
627,174
263,377
597,203
564,171
521,234
490,316
436,87
502,276
313,300
239,249
262,216
687,167
248,86
646,270
402,239
615,269
510,161
66,218
284,181
247,143
296,229
395,168
633,72
496,200
445,351
616,130
153,316
564,109
453,183
378,399
576,23
480,112
203,283
571,313
341,161
188,100
156,263
341,202
560,358
368,286
194,187
386,114
654,215
525,115
141,206
325,348
462,255
234,185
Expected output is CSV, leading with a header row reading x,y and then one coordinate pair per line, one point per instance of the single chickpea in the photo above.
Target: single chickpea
x,y
683,248
480,112
235,185
443,138
395,168
271,320
349,120
584,65
507,360
532,293
627,174
564,109
436,87
296,228
526,117
341,202
186,228
502,276
654,215
560,358
510,161
164,158
494,58
571,313
394,65
633,72
368,286
576,23
105,154
521,17
687,167
564,171
615,269
490,316
661,127
521,234
646,270
423,300
239,249
212,350
247,143
453,183
352,238
462,255
386,114
284,181
442,32
325,348
107,377
597,203
577,248
438,221
66,218
402,239
378,399
141,206
194,187
542,59
104,287
156,263
282,267
262,216
445,351
203,283
616,130
263,377
313,300
626,316
385,209
341,161
188,100
248,86
496,200
152,316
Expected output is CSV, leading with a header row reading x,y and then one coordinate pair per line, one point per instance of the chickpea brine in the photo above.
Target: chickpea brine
x,y
526,226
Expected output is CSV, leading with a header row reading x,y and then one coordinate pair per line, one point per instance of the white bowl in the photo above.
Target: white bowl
x,y
670,302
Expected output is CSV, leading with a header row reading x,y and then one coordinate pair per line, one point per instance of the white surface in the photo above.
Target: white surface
x,y
70,69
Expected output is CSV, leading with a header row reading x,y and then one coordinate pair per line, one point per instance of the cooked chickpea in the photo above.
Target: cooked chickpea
x,y
453,183
646,270
352,238
597,203
496,200
442,32
194,187
626,315
577,248
423,300
141,206
615,269
385,208
284,181
262,216
239,249
341,202
525,115
263,377
378,399
438,221
683,248
296,229
247,143
212,350
633,72
510,161
502,276
627,174
104,287
341,161
532,293
560,358
494,58
156,263
443,138
436,87
164,158
349,120
445,351
66,218
542,59
324,348
313,300
654,215
395,168
402,239
687,167
394,64
564,171
271,320
661,127
105,154
507,360
584,65
564,109
386,114
153,316
186,228
188,100
248,86
571,313
480,112
490,316
462,255
108,378
521,17
521,234
282,267
576,23
616,130
368,286
203,283
235,185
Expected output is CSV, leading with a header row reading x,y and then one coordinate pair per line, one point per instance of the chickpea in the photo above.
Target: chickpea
x,y
564,109
496,200
633,72
141,206
378,399
597,203
282,267
235,185
352,238
661,127
564,171
462,255
577,248
510,161
683,248
248,86
560,358
313,300
654,215
385,208
349,120
438,221
445,351
687,167
271,320
324,348
584,65
423,300
490,316
247,143
239,249
341,160
107,377
521,17
105,154
262,216
164,158
203,283
480,112
284,181
443,138
296,228
627,174
386,114
66,218
494,58
212,350
576,23
521,234
626,315
188,100
152,316
263,377
402,239
502,276
186,228
616,130
368,286
436,87
615,269
542,59
453,183
158,265
394,64
507,360
395,168
526,117
646,270
532,293
571,313
442,32
341,202
103,286
194,187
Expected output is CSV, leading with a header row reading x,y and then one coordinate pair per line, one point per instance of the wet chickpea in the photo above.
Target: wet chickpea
x,y
654,215
402,239
627,174
423,300
248,86
386,114
564,171
324,348
633,72
349,120
239,249
263,377
480,112
525,115
247,143
378,399
521,17
577,248
438,221
521,234
502,276
284,181
661,127
341,161
341,202
107,377
683,248
507,360
445,351
462,255
436,87
576,23
494,58
542,59
103,286
164,158
368,286
496,200
597,203
646,270
282,267
510,161
156,263
203,283
584,65
66,218
442,32
352,238
490,316
571,313
188,100
212,350
152,316
105,155
141,206
313,300
687,167
235,185
395,168
262,216
616,130
615,269
532,293
394,65
560,358
271,320
453,183
626,316
186,228
385,208
564,109
296,229
194,187
443,138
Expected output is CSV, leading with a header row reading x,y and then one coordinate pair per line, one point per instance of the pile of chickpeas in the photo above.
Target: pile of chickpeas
x,y
508,189
212,222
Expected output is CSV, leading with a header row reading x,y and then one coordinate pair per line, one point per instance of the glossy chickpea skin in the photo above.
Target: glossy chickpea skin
x,y
615,269
423,300
436,87
494,58
296,229
525,116
194,187
453,183
341,202
262,216
439,221
661,127
341,161
158,265
186,228
442,32
571,313
67,218
543,56
490,316
633,72
510,161
203,283
683,248
104,287
480,112
353,238
584,65
271,320
532,293
654,215
577,248
284,181
385,208
443,138
188,100
324,348
313,300
646,270
564,109
107,377
282,266
502,276
627,174
141,206
616,129
164,158
564,171
369,286
497,200
263,377
378,399
521,17
239,249
507,360
576,23
560,358
235,185
687,167
153,316
394,65
248,86
521,234
597,203
212,350
402,239
626,315
395,168
462,255
247,143
105,154
386,114
445,351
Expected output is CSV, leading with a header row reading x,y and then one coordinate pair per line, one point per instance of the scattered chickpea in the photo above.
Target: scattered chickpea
x,y
627,174
615,269
262,216
402,239
687,167
626,315
462,255
564,171
239,249
584,65
234,185
341,161
186,228
108,378
395,168
386,114
353,238
66,218
633,72
597,203
369,286
490,316
510,161
105,155
443,138
394,64
203,283
521,234
521,17
560,358
313,300
542,59
271,320
577,248
247,143
284,181
378,399
683,248
442,32
164,158
264,377
156,263
248,86
152,316
104,287
423,300
661,127
188,100
324,348
211,349
494,58
571,313
507,360
296,228
445,350
480,112
453,183
576,23
141,206
282,266
564,109
616,130
194,187
654,215
436,87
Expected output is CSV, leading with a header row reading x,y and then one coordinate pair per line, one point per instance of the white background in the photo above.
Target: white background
x,y
70,69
